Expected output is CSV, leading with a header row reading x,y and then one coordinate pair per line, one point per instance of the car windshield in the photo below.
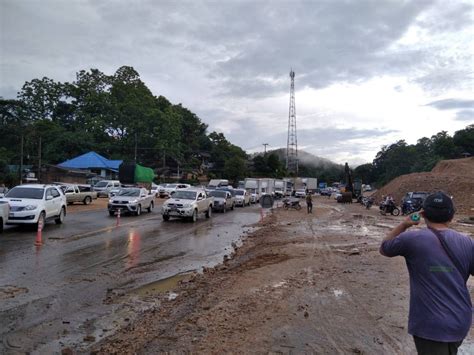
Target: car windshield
x,y
239,192
24,192
185,195
253,191
129,192
101,184
217,193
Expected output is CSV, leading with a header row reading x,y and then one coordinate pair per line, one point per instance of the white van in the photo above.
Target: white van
x,y
103,187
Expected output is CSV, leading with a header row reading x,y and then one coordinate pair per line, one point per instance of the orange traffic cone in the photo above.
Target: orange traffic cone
x,y
39,234
118,218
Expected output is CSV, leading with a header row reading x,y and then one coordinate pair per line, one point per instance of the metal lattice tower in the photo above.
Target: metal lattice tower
x,y
292,142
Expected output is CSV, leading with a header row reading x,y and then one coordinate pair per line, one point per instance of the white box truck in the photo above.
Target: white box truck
x,y
252,185
311,184
280,188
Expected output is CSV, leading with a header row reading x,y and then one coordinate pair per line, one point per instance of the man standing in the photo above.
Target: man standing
x,y
439,262
309,202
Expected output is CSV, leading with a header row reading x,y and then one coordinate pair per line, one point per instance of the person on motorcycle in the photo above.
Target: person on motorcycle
x,y
309,202
439,261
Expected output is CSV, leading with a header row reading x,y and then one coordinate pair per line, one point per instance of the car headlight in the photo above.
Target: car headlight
x,y
111,201
29,208
186,205
133,201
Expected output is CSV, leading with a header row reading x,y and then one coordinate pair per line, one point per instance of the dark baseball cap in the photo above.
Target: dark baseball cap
x,y
438,207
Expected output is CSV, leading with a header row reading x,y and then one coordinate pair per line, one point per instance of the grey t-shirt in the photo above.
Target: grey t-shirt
x,y
440,304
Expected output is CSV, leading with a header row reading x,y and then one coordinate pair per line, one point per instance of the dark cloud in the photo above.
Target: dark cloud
x,y
465,115
452,104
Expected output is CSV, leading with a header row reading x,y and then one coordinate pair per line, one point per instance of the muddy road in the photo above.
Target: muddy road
x,y
301,283
86,280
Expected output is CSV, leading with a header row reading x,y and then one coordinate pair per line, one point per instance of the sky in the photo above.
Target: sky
x,y
368,73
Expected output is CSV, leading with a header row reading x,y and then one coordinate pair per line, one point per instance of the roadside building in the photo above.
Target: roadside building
x,y
94,163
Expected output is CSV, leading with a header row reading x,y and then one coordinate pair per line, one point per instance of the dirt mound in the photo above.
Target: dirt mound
x,y
455,177
456,166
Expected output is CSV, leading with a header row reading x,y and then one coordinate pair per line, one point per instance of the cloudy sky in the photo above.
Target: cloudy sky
x,y
367,72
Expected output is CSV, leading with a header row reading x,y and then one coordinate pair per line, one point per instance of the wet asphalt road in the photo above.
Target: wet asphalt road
x,y
52,296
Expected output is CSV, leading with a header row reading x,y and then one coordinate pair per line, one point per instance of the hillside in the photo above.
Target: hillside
x,y
455,177
308,159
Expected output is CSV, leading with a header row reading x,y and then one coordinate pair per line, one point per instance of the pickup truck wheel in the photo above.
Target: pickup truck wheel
x,y
139,210
195,216
150,208
111,213
166,218
87,200
41,219
224,210
233,206
209,212
60,218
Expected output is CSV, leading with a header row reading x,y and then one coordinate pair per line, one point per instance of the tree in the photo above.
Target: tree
x,y
464,139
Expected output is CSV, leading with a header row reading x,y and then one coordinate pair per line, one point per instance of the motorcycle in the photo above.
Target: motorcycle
x,y
287,204
389,207
368,202
408,207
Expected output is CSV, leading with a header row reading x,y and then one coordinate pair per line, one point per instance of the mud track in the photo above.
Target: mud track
x,y
302,283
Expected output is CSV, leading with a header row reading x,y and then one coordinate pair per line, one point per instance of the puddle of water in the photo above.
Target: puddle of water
x,y
338,293
160,286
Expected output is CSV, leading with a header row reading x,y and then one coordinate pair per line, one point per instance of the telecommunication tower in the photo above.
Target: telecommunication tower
x,y
292,142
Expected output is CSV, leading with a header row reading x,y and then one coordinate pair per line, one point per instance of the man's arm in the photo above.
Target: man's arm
x,y
399,229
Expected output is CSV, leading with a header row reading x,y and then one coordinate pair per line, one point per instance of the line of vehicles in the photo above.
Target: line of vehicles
x,y
36,203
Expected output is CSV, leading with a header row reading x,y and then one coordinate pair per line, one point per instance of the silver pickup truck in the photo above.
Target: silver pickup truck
x,y
79,193
4,211
188,203
131,200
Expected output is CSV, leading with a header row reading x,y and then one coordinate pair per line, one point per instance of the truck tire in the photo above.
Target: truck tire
x,y
150,208
60,218
87,200
111,213
166,218
233,206
209,212
194,216
224,210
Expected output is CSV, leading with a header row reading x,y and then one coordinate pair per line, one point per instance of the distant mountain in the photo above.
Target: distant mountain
x,y
307,159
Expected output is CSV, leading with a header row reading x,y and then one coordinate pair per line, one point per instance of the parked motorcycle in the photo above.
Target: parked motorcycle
x,y
389,207
368,202
408,207
293,203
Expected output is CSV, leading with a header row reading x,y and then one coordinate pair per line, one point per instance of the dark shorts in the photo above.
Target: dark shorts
x,y
431,347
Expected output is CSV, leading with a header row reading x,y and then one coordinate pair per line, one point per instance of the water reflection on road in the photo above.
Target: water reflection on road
x,y
68,278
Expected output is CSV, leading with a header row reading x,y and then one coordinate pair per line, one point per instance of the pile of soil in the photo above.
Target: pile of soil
x,y
454,177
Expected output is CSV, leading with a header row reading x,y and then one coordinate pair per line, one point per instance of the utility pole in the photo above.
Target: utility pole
x,y
136,147
265,148
39,160
21,159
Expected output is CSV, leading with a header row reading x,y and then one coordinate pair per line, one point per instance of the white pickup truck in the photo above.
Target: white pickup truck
x,y
4,211
188,203
131,200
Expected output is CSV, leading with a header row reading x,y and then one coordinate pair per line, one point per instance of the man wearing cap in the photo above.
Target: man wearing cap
x,y
439,262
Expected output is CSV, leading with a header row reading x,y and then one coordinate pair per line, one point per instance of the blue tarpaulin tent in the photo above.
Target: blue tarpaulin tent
x,y
91,160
